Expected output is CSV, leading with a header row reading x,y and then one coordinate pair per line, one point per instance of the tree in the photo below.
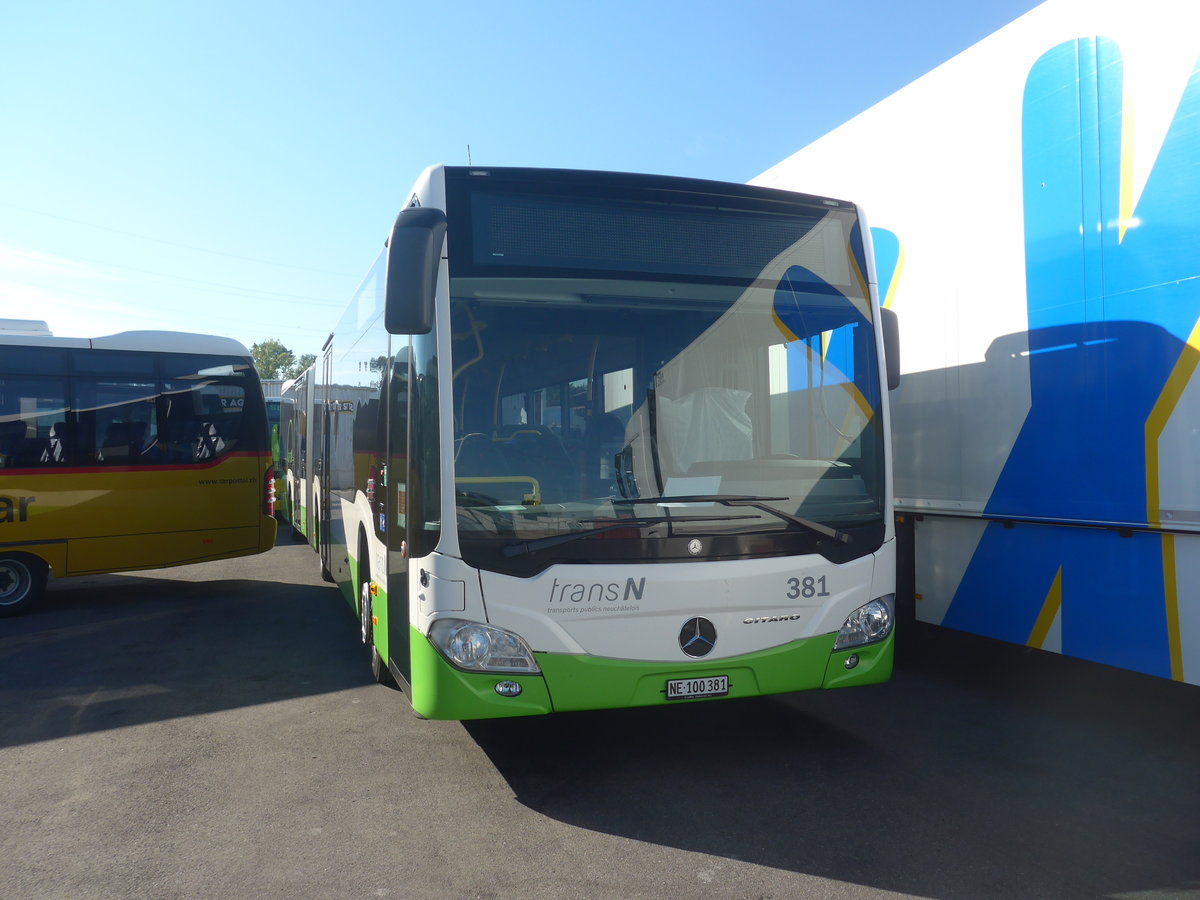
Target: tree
x,y
301,364
272,359
276,362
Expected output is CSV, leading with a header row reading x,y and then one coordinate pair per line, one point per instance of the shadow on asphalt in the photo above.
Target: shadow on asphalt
x,y
981,770
110,651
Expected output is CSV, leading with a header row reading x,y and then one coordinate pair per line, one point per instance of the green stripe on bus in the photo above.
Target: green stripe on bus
x,y
579,682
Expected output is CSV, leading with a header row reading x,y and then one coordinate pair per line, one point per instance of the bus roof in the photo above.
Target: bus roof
x,y
159,341
24,326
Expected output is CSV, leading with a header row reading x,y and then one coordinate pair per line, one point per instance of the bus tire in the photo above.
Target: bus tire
x,y
22,583
379,667
326,575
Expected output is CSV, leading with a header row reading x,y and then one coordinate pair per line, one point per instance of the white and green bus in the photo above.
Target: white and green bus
x,y
595,440
296,435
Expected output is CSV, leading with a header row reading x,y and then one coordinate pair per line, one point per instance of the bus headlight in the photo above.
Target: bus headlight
x,y
870,623
481,648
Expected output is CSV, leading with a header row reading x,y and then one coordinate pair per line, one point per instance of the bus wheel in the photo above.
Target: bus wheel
x,y
326,575
379,668
364,608
22,583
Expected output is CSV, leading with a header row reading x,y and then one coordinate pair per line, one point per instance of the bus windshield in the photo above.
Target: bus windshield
x,y
609,408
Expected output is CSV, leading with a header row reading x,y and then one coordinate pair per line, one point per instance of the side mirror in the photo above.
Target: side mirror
x,y
414,253
891,346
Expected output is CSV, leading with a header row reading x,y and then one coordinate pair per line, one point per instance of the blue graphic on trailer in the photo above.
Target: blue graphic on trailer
x,y
1108,320
887,252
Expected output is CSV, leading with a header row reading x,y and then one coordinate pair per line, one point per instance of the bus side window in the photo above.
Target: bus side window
x,y
222,409
123,442
209,442
201,421
32,411
56,448
12,441
118,418
175,433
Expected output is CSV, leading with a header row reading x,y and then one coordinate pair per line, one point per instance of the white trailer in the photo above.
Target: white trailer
x,y
1037,210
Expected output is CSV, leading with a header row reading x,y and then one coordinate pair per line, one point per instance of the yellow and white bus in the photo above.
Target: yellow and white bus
x,y
134,451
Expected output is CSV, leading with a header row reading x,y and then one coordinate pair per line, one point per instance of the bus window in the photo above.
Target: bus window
x,y
32,421
204,421
119,417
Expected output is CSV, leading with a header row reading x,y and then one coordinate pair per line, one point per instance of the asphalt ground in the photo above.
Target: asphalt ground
x,y
212,731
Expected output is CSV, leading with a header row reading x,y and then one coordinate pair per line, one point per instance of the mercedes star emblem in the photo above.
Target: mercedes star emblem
x,y
697,637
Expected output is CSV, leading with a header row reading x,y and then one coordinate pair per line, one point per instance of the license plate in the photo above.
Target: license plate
x,y
691,688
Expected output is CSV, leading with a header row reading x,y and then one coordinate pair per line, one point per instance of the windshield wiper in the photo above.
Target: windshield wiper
x,y
759,503
521,548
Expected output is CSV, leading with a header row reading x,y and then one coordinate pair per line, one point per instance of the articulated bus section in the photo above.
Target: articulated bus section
x,y
300,416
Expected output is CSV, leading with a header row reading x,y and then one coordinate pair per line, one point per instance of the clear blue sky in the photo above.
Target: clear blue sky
x,y
233,166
